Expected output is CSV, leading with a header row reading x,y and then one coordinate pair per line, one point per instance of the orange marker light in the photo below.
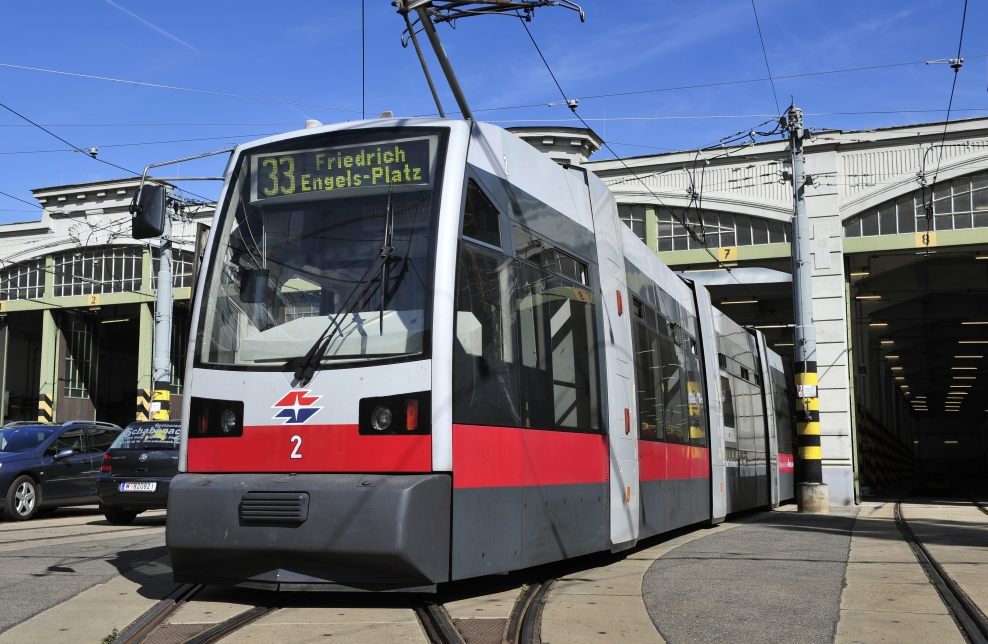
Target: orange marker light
x,y
411,414
620,303
629,494
627,421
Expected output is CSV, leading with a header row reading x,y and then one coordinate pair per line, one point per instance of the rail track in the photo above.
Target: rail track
x,y
970,619
521,627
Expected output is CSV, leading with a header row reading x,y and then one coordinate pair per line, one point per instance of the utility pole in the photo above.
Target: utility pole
x,y
811,492
161,368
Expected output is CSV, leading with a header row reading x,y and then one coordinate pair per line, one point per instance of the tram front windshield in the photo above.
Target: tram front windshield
x,y
325,239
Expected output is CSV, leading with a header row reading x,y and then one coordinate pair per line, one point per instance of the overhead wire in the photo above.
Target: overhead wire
x,y
173,87
21,200
929,207
129,145
149,124
765,54
78,149
950,103
723,83
680,221
771,78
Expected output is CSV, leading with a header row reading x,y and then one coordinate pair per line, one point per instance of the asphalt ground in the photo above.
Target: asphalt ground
x,y
33,578
775,580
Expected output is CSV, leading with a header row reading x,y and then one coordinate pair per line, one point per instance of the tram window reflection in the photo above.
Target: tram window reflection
x,y
697,413
485,382
647,368
481,220
525,349
674,414
728,400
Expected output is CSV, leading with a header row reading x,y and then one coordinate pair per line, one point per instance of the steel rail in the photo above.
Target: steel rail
x,y
978,504
969,617
522,626
158,613
224,628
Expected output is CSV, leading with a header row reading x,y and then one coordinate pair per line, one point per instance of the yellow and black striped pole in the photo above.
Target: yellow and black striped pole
x,y
811,492
45,414
808,423
161,403
143,404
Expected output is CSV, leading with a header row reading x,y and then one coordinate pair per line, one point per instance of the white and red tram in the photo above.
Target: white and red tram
x,y
425,351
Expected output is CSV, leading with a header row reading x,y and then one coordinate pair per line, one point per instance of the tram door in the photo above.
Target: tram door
x,y
622,414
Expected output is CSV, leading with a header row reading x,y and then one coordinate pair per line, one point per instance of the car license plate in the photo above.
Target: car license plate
x,y
147,486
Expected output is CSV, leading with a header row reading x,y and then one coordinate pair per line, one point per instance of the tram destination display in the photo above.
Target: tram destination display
x,y
319,173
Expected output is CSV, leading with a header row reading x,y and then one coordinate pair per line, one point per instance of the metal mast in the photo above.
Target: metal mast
x,y
161,367
811,492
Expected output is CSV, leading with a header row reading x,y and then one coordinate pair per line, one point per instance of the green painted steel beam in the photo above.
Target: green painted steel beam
x,y
744,253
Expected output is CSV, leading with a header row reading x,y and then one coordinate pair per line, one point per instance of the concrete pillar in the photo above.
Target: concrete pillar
x,y
830,320
651,229
48,368
144,351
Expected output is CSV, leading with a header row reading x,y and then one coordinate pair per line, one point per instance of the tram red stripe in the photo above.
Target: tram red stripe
x,y
509,457
786,464
664,461
325,448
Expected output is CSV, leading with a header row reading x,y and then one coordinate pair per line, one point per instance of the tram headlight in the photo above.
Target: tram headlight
x,y
228,421
381,418
399,414
213,418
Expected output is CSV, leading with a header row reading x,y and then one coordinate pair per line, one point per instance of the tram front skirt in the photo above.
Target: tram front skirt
x,y
310,531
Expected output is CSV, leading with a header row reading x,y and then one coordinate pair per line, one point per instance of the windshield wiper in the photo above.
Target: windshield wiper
x,y
307,367
387,250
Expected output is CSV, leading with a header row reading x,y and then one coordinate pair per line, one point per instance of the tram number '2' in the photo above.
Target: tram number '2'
x,y
283,167
298,445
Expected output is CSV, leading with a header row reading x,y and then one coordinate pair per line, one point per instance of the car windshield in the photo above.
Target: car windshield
x,y
333,232
23,439
149,436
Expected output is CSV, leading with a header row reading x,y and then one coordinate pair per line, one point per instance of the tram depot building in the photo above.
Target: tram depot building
x,y
77,303
890,295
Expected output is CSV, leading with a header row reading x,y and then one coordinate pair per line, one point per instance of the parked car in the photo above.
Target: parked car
x,y
137,469
44,466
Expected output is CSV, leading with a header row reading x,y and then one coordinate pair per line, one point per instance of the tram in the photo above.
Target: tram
x,y
425,351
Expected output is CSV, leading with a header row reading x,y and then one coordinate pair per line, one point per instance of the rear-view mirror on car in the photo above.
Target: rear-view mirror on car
x,y
65,453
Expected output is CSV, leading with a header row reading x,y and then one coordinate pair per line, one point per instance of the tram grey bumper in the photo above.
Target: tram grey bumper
x,y
375,532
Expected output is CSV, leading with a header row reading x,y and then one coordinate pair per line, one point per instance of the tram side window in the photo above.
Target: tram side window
x,y
674,405
525,349
728,400
545,255
481,220
783,411
646,345
557,343
485,378
667,379
694,390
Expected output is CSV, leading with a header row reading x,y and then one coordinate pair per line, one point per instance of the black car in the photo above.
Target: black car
x,y
44,466
137,469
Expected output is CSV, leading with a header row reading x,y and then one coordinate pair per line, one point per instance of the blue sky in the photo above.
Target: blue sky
x,y
310,52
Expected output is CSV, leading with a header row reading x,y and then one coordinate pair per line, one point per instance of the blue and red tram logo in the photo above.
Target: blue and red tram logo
x,y
296,407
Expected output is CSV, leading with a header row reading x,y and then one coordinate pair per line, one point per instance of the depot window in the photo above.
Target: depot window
x,y
23,281
957,205
712,229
